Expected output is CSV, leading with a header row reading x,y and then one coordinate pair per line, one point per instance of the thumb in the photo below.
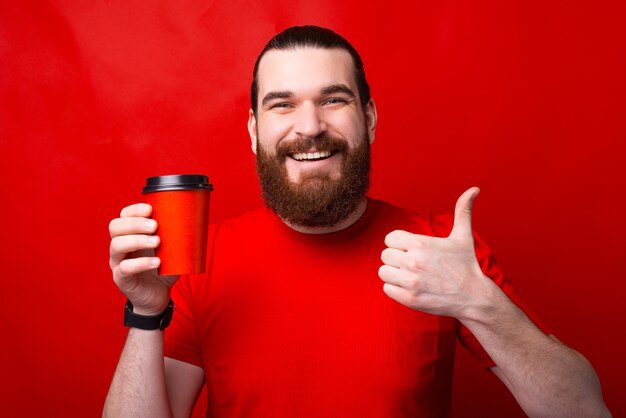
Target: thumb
x,y
462,228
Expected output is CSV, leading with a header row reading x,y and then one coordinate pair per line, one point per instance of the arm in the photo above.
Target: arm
x,y
442,276
138,386
547,378
184,382
144,383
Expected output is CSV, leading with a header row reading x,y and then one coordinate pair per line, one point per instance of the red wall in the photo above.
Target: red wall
x,y
525,99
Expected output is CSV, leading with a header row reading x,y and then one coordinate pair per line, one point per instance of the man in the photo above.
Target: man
x,y
292,318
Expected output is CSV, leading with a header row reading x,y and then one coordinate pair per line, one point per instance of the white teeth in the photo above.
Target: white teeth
x,y
311,155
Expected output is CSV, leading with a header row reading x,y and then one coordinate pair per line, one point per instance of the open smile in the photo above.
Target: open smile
x,y
311,156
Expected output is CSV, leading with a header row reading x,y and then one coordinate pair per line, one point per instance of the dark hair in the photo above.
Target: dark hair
x,y
315,37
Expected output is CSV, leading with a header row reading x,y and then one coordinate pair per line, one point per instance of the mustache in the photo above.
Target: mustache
x,y
320,144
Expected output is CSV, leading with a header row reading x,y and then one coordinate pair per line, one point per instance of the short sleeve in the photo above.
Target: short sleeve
x,y
181,337
492,270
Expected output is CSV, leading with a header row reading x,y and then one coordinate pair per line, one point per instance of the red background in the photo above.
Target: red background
x,y
525,99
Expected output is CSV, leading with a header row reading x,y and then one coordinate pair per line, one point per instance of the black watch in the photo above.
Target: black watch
x,y
148,322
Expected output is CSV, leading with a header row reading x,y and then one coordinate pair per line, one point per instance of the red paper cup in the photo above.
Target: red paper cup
x,y
180,205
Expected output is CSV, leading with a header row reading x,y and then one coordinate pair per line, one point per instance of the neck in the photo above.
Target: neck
x,y
350,220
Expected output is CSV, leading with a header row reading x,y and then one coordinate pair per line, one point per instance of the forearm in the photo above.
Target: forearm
x,y
138,388
546,377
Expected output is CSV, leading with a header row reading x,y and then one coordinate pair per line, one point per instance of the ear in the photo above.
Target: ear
x,y
252,131
371,118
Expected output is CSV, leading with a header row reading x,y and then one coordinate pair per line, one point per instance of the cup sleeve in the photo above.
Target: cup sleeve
x,y
181,337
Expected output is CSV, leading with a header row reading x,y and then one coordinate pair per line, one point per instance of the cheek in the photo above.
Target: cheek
x,y
348,125
272,129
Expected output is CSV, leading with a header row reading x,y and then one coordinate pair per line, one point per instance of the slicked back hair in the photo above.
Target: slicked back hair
x,y
311,37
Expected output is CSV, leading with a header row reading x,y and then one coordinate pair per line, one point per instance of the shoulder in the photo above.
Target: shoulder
x,y
256,222
413,221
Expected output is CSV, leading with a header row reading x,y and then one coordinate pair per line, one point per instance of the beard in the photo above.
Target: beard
x,y
316,200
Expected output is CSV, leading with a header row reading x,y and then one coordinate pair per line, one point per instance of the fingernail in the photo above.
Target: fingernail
x,y
155,261
153,240
150,224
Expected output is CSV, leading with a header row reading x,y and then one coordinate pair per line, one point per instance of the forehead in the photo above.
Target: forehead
x,y
305,69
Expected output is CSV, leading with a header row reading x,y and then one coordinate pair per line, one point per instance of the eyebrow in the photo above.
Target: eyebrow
x,y
284,94
338,88
272,95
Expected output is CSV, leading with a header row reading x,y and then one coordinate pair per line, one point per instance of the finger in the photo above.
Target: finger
x,y
395,276
123,245
132,225
401,240
399,294
132,266
138,209
392,257
462,227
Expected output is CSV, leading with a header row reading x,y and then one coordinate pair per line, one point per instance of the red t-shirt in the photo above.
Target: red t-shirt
x,y
286,324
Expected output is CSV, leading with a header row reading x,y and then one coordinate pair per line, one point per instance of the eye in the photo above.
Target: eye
x,y
280,105
334,100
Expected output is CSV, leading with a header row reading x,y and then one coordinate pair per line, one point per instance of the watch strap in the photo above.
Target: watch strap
x,y
148,322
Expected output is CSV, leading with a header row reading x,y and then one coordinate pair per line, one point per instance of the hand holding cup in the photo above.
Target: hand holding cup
x,y
133,262
177,209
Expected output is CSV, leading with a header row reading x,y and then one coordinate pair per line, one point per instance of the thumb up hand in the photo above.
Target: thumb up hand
x,y
440,276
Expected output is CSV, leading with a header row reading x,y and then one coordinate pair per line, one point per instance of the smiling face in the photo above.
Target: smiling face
x,y
311,134
306,93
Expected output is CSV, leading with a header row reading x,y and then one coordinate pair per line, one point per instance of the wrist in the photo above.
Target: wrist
x,y
147,306
137,319
485,307
496,314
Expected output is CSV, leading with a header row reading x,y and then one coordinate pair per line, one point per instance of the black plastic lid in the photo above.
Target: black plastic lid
x,y
177,182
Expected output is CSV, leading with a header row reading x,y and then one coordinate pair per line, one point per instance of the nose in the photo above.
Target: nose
x,y
309,123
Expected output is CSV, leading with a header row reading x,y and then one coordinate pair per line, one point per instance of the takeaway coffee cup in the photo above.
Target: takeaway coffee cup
x,y
180,205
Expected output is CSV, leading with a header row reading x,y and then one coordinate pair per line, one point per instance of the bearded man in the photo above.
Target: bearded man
x,y
292,318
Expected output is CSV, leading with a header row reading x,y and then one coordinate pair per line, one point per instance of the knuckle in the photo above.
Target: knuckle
x,y
417,244
125,268
118,276
115,247
412,300
382,271
387,289
391,291
113,226
136,209
390,237
414,285
112,249
412,263
121,268
384,255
